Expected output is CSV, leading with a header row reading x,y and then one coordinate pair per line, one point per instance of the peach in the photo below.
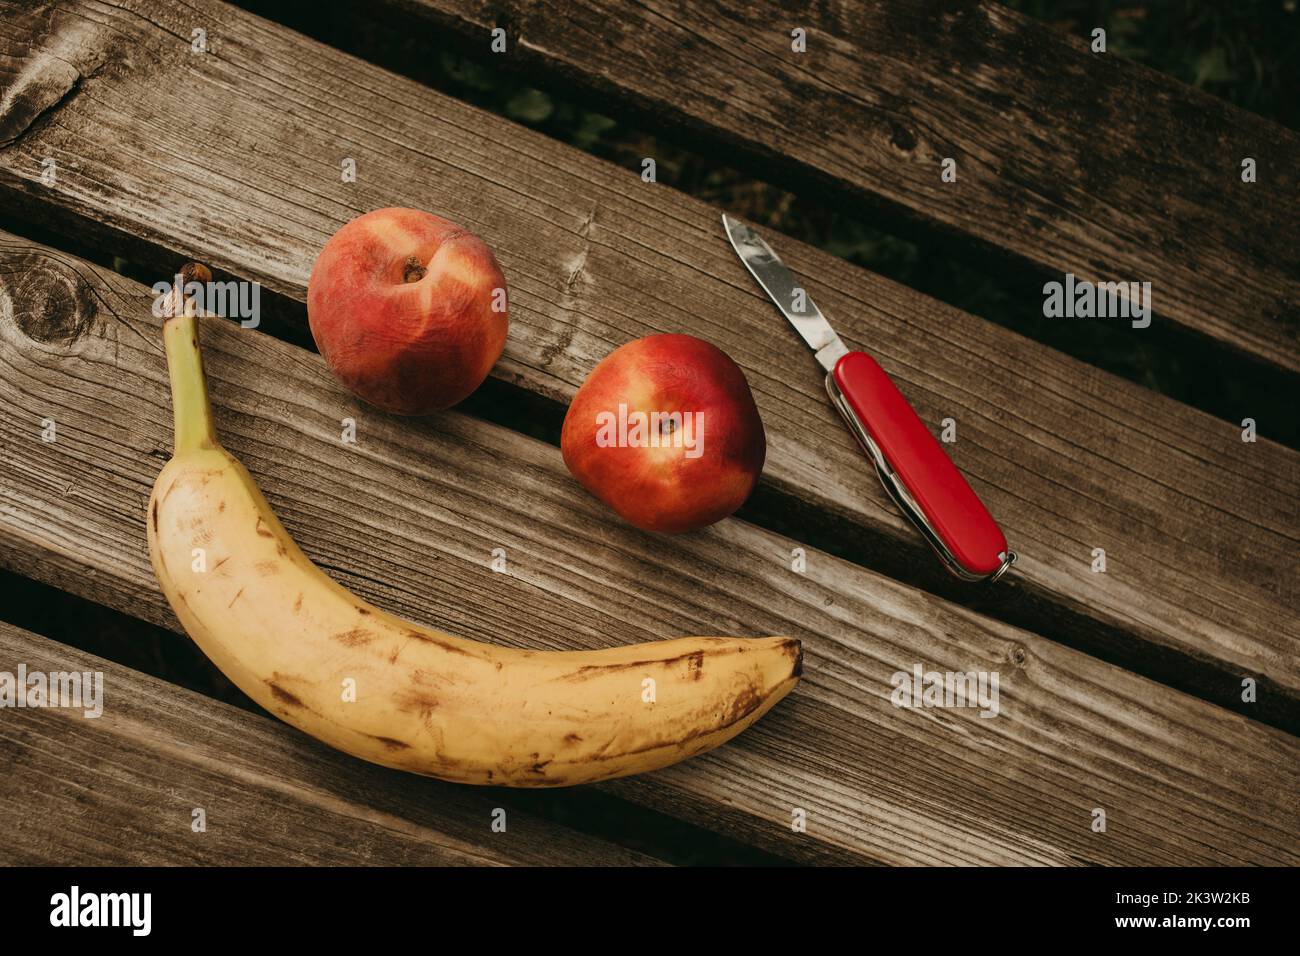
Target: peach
x,y
408,310
665,431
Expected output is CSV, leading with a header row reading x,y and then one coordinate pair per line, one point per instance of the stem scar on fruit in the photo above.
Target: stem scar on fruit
x,y
413,271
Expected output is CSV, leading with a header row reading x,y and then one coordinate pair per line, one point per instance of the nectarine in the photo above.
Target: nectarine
x,y
409,310
665,431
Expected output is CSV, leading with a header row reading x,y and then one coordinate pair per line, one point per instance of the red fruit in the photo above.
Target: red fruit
x,y
401,305
704,465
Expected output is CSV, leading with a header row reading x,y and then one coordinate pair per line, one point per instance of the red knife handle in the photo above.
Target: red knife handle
x,y
916,471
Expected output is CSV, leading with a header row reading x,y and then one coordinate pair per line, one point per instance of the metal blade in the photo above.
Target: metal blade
x,y
785,291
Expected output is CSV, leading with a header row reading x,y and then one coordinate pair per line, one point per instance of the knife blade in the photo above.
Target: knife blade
x,y
916,472
791,298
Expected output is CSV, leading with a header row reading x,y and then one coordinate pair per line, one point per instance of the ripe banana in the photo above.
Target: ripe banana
x,y
403,695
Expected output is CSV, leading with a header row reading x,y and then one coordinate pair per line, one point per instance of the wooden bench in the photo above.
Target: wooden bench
x,y
1120,688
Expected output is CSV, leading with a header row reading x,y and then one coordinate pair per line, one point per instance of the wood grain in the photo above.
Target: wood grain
x,y
121,788
1068,161
233,156
409,515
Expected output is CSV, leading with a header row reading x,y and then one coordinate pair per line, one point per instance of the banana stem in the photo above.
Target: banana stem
x,y
191,410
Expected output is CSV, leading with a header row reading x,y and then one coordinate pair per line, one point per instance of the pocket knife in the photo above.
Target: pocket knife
x,y
915,470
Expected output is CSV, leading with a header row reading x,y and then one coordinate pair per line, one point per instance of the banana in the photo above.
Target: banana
x,y
407,696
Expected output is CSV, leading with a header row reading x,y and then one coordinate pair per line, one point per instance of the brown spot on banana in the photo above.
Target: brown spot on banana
x,y
794,650
744,704
283,696
414,702
267,568
297,604
438,642
235,598
694,661
357,637
695,664
390,742
262,532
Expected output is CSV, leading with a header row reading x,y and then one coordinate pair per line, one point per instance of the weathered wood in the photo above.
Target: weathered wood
x,y
121,789
409,515
1196,525
1068,161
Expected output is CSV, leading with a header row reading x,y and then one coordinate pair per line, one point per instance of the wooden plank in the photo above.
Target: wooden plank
x,y
1068,161
1196,525
409,515
122,788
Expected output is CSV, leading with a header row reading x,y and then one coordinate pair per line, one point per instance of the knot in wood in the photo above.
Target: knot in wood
x,y
47,300
901,137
